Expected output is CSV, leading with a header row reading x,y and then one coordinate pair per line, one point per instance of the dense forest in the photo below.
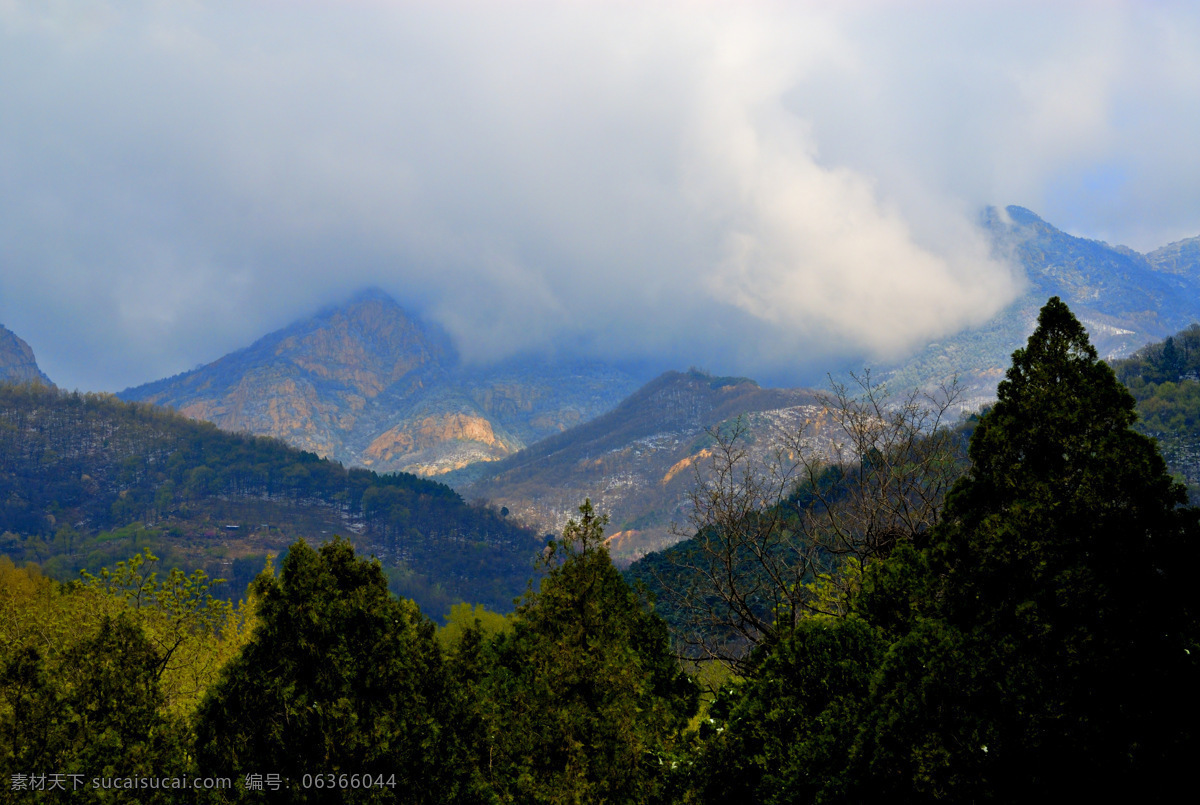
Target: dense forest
x,y
1017,623
1164,378
87,480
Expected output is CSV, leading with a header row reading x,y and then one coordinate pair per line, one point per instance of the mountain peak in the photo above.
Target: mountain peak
x,y
1181,258
1007,219
372,293
365,382
371,331
1021,215
310,382
385,327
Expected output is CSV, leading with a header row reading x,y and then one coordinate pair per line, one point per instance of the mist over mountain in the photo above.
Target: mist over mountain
x,y
17,364
367,384
1126,299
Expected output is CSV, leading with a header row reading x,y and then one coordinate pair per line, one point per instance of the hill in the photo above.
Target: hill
x,y
1164,378
637,463
366,384
87,480
17,364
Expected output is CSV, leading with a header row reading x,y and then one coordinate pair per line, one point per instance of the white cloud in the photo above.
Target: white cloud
x,y
728,184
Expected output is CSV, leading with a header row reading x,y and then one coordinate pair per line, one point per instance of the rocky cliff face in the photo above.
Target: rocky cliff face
x,y
17,364
366,384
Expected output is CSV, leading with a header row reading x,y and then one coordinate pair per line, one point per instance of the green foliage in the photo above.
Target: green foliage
x,y
464,617
1066,563
94,710
1043,644
193,632
785,734
340,677
581,701
1164,378
86,480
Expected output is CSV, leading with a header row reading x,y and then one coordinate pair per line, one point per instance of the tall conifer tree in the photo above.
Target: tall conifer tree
x,y
1044,646
1059,652
583,700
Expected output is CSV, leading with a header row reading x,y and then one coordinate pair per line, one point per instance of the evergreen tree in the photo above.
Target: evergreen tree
x,y
1042,646
96,710
340,677
785,734
582,700
1059,650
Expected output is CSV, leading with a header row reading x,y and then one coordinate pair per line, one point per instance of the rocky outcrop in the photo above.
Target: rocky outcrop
x,y
17,364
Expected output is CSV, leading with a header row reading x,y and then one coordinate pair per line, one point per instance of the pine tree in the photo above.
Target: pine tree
x,y
339,678
583,699
1060,650
1043,646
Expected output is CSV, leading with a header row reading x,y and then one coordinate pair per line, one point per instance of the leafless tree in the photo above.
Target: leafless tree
x,y
777,540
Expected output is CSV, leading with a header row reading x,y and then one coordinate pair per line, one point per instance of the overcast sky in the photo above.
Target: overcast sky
x,y
757,188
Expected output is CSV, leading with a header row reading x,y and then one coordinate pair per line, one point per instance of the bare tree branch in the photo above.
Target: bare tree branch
x,y
777,540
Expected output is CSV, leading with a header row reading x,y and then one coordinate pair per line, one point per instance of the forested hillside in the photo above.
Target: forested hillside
x,y
1164,378
88,479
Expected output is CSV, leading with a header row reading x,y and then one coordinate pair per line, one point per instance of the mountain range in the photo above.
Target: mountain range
x,y
1126,300
366,384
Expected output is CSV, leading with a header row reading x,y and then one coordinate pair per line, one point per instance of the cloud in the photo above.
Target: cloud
x,y
759,188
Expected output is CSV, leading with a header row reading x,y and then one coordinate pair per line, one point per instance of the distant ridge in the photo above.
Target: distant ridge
x,y
638,461
1126,300
367,384
17,364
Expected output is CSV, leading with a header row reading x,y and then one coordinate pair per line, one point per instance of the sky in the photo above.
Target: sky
x,y
755,188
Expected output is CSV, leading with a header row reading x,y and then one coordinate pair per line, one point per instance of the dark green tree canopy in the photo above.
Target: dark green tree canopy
x,y
1043,646
1058,409
1066,560
583,700
1065,505
94,710
340,677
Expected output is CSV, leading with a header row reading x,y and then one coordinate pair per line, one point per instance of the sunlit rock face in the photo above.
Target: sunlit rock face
x,y
367,384
17,364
